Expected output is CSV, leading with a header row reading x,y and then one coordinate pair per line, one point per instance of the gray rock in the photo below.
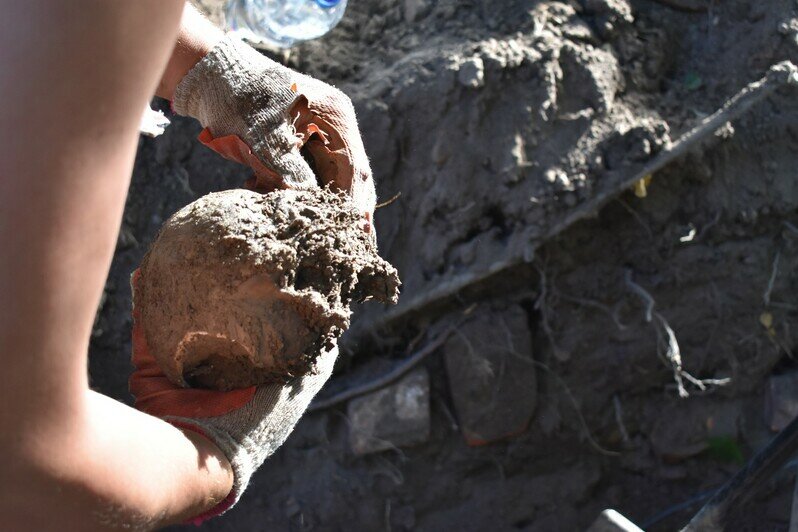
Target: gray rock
x,y
610,15
472,73
781,400
754,429
415,9
491,375
686,428
395,416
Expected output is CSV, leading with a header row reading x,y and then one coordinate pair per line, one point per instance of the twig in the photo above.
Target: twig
x,y
393,375
637,217
779,75
690,236
528,360
388,202
582,422
449,415
542,307
674,356
773,273
709,226
391,471
540,304
640,291
616,403
389,445
595,304
673,353
790,226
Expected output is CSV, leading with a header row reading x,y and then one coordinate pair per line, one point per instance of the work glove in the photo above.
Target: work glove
x,y
247,425
258,111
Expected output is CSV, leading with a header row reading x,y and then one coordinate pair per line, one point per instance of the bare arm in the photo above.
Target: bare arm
x,y
195,38
75,78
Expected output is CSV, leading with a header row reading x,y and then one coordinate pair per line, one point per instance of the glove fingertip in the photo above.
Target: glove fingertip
x,y
296,172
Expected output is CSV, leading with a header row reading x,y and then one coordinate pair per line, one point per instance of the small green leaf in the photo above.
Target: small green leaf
x,y
725,449
692,81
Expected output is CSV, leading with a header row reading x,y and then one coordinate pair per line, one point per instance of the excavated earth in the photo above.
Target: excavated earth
x,y
241,288
507,128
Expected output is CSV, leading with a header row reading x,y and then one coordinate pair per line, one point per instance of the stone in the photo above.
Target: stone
x,y
610,16
612,521
472,73
781,400
754,430
491,375
415,9
395,416
687,428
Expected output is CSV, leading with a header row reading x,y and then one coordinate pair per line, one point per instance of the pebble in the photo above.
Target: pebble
x,y
685,429
415,9
395,416
472,73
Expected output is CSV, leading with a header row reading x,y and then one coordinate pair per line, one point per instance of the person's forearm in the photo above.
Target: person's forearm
x,y
76,76
163,473
196,38
118,468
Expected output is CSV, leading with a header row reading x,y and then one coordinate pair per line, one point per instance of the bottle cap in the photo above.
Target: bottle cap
x,y
328,3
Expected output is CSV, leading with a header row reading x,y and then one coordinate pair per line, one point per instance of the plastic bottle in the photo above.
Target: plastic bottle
x,y
283,22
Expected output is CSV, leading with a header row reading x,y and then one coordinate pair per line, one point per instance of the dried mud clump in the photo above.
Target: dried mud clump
x,y
241,288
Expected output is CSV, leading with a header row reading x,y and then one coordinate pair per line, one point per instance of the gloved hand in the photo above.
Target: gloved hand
x,y
247,425
261,112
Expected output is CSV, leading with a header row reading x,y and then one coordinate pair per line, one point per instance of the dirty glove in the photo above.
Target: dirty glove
x,y
259,111
247,425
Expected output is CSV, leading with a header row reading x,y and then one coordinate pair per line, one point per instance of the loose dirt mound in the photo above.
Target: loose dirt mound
x,y
241,288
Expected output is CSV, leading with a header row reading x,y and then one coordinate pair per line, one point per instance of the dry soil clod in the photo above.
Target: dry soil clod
x,y
241,288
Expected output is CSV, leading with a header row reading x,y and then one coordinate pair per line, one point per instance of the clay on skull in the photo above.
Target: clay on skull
x,y
241,288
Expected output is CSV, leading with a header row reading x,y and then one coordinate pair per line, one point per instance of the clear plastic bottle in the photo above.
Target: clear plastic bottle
x,y
283,22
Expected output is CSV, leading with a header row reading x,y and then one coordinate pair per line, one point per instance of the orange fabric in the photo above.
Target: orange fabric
x,y
156,395
325,126
326,145
321,139
233,148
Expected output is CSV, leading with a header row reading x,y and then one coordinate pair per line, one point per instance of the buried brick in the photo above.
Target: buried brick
x,y
395,416
492,376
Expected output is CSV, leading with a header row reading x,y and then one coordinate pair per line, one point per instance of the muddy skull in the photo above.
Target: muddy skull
x,y
241,288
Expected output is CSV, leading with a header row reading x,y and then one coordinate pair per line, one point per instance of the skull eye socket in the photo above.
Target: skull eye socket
x,y
214,362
